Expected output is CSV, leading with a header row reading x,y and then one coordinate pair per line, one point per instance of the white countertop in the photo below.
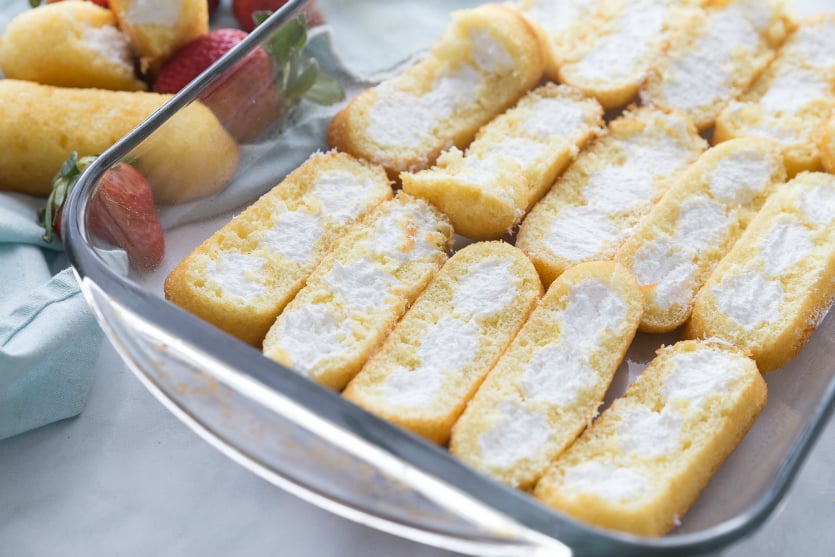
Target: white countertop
x,y
127,478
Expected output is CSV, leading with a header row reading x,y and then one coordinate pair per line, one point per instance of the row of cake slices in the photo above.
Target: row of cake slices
x,y
596,209
352,287
343,325
724,63
742,65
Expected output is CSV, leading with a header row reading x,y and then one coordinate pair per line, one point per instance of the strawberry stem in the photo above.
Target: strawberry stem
x,y
62,184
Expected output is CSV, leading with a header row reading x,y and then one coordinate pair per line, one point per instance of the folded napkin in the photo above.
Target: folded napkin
x,y
49,339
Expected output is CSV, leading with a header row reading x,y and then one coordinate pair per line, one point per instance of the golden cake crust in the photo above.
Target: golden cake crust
x,y
69,44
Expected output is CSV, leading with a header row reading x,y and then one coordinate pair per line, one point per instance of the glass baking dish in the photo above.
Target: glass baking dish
x,y
307,439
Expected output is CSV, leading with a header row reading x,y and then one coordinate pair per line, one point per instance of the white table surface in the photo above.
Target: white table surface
x,y
127,478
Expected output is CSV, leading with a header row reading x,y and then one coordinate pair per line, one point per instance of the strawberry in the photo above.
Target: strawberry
x,y
245,101
121,210
102,3
244,11
213,4
262,88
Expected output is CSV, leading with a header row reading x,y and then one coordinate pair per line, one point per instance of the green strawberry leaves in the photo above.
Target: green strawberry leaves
x,y
62,185
300,78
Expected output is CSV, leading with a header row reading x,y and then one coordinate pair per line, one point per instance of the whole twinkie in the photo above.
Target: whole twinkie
x,y
58,121
69,44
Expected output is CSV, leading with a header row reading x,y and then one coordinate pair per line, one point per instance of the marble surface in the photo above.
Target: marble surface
x,y
127,478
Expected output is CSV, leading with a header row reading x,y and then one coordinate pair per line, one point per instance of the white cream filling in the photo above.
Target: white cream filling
x,y
813,45
401,119
309,334
620,189
294,235
238,274
793,90
521,150
110,43
622,54
749,299
773,130
448,347
489,53
556,116
360,284
605,480
556,374
594,309
342,195
581,233
818,204
699,375
488,288
404,232
702,224
482,171
648,434
673,272
786,244
740,177
557,17
520,433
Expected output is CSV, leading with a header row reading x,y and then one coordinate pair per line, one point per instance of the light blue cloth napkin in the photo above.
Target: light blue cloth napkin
x,y
49,339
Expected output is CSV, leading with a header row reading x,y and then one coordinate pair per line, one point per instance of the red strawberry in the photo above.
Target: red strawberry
x,y
188,62
246,101
213,4
121,210
243,10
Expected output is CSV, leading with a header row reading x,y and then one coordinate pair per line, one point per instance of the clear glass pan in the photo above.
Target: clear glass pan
x,y
308,440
